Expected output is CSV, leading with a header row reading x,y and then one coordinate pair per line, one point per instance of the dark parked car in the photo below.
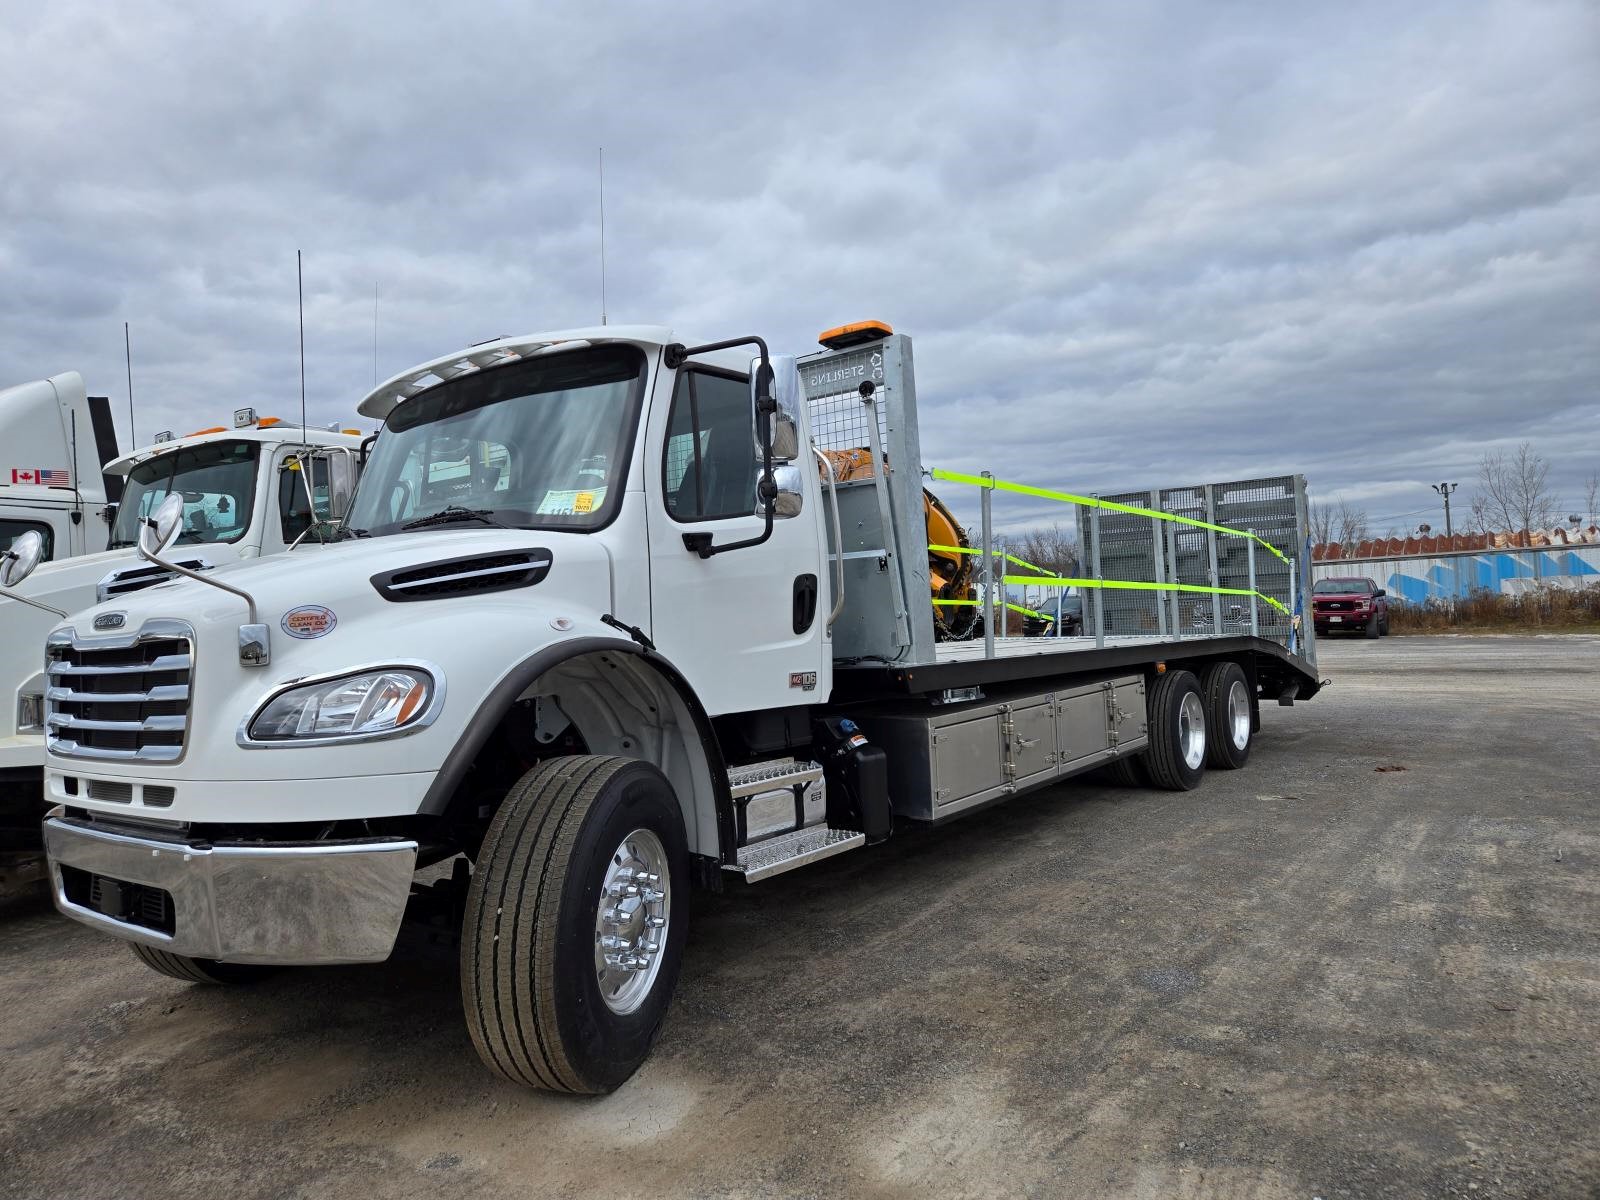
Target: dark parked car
x,y
1355,604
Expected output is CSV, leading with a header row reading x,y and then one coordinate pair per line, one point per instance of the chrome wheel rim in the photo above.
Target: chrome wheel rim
x,y
1192,730
631,921
1239,714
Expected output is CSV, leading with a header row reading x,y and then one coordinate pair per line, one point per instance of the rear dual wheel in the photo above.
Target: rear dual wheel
x,y
1195,721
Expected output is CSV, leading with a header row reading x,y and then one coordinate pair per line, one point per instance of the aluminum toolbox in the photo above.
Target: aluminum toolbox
x,y
952,759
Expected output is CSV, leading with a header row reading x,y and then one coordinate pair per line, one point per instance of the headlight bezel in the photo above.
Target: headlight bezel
x,y
420,720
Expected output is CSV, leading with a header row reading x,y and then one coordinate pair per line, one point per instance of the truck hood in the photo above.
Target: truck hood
x,y
340,577
342,623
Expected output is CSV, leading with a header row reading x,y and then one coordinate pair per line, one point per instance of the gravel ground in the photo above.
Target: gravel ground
x,y
1367,965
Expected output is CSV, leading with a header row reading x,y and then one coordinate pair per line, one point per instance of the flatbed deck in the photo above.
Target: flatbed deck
x,y
1023,660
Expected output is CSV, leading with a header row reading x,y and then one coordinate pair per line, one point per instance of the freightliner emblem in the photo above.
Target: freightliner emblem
x,y
110,620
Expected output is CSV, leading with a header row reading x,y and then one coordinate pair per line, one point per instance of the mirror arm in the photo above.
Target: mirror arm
x,y
10,595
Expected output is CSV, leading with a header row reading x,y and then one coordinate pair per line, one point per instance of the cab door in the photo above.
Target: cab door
x,y
747,628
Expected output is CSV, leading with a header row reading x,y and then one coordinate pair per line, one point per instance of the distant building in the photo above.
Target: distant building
x,y
1417,569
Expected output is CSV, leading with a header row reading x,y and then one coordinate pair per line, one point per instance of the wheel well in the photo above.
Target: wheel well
x,y
604,701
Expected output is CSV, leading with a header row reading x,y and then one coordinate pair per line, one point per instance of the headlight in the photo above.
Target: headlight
x,y
30,712
368,704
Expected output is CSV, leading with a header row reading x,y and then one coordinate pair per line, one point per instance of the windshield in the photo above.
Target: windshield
x,y
536,445
218,484
1341,587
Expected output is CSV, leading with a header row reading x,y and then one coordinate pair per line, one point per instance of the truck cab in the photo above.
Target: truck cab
x,y
247,490
48,429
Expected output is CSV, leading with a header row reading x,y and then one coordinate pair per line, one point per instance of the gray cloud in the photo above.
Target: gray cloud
x,y
1160,243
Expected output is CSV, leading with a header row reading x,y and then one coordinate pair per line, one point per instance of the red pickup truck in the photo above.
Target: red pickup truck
x,y
1356,604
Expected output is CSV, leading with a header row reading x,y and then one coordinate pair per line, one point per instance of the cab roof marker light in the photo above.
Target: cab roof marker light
x,y
267,422
858,333
212,429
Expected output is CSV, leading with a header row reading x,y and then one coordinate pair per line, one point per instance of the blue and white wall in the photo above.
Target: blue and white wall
x,y
1415,580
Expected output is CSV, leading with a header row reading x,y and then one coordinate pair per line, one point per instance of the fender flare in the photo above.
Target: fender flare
x,y
517,680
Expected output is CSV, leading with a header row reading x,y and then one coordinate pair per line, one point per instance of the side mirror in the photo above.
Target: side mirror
x,y
19,560
785,424
160,531
1380,592
791,497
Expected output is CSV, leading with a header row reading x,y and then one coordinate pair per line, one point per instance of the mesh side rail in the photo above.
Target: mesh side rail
x,y
1176,563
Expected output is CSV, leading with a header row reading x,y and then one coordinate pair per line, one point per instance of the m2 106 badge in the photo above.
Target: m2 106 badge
x,y
309,621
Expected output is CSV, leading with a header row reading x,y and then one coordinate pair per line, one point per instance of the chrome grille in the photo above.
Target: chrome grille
x,y
121,698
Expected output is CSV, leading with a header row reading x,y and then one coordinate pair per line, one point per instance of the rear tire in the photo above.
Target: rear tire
x,y
1230,715
1128,771
531,951
198,970
1176,758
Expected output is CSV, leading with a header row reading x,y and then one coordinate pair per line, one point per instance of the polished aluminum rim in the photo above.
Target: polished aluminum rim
x,y
630,921
1192,730
1239,714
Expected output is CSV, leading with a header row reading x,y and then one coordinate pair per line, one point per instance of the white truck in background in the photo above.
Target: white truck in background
x,y
606,623
49,429
250,490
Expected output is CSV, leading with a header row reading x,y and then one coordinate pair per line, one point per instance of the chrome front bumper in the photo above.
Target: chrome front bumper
x,y
293,904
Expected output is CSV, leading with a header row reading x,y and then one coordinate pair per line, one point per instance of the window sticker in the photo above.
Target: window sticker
x,y
571,503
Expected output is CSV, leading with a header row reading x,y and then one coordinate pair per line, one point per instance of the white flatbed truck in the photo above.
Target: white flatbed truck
x,y
605,626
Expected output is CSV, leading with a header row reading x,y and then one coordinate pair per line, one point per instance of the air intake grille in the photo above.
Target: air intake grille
x,y
119,698
132,903
135,579
464,576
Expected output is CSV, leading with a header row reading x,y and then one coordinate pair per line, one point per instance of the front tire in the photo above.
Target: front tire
x,y
1372,628
198,970
566,974
1176,758
1230,715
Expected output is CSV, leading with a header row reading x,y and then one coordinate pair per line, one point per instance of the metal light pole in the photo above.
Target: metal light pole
x,y
1444,489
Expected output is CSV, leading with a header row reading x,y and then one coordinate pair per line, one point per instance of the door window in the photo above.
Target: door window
x,y
709,465
294,512
11,530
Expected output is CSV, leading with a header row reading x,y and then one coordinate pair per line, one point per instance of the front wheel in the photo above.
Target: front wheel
x,y
575,924
1372,628
197,970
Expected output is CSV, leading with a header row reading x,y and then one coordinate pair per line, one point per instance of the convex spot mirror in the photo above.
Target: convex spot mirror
x,y
158,532
18,562
786,391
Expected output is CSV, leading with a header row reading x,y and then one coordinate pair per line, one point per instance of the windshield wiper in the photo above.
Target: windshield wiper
x,y
454,513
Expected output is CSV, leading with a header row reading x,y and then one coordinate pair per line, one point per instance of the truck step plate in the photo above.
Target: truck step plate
x,y
790,850
770,776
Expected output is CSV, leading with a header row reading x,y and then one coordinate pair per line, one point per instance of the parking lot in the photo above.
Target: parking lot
x,y
1367,965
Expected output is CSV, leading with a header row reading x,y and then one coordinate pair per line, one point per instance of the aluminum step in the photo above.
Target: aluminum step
x,y
790,850
770,776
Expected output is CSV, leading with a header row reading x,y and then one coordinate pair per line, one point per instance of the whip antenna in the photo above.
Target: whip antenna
x,y
300,288
602,235
127,349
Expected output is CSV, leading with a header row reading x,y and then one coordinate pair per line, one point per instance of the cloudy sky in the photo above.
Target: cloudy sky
x,y
1134,243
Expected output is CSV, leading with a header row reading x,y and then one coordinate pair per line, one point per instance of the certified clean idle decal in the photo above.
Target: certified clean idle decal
x,y
309,621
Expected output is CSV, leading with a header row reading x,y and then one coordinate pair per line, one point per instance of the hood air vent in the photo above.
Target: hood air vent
x,y
472,575
135,579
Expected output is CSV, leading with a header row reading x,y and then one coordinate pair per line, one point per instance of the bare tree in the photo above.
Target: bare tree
x,y
1350,525
1513,495
1591,497
1320,520
1053,547
1338,521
